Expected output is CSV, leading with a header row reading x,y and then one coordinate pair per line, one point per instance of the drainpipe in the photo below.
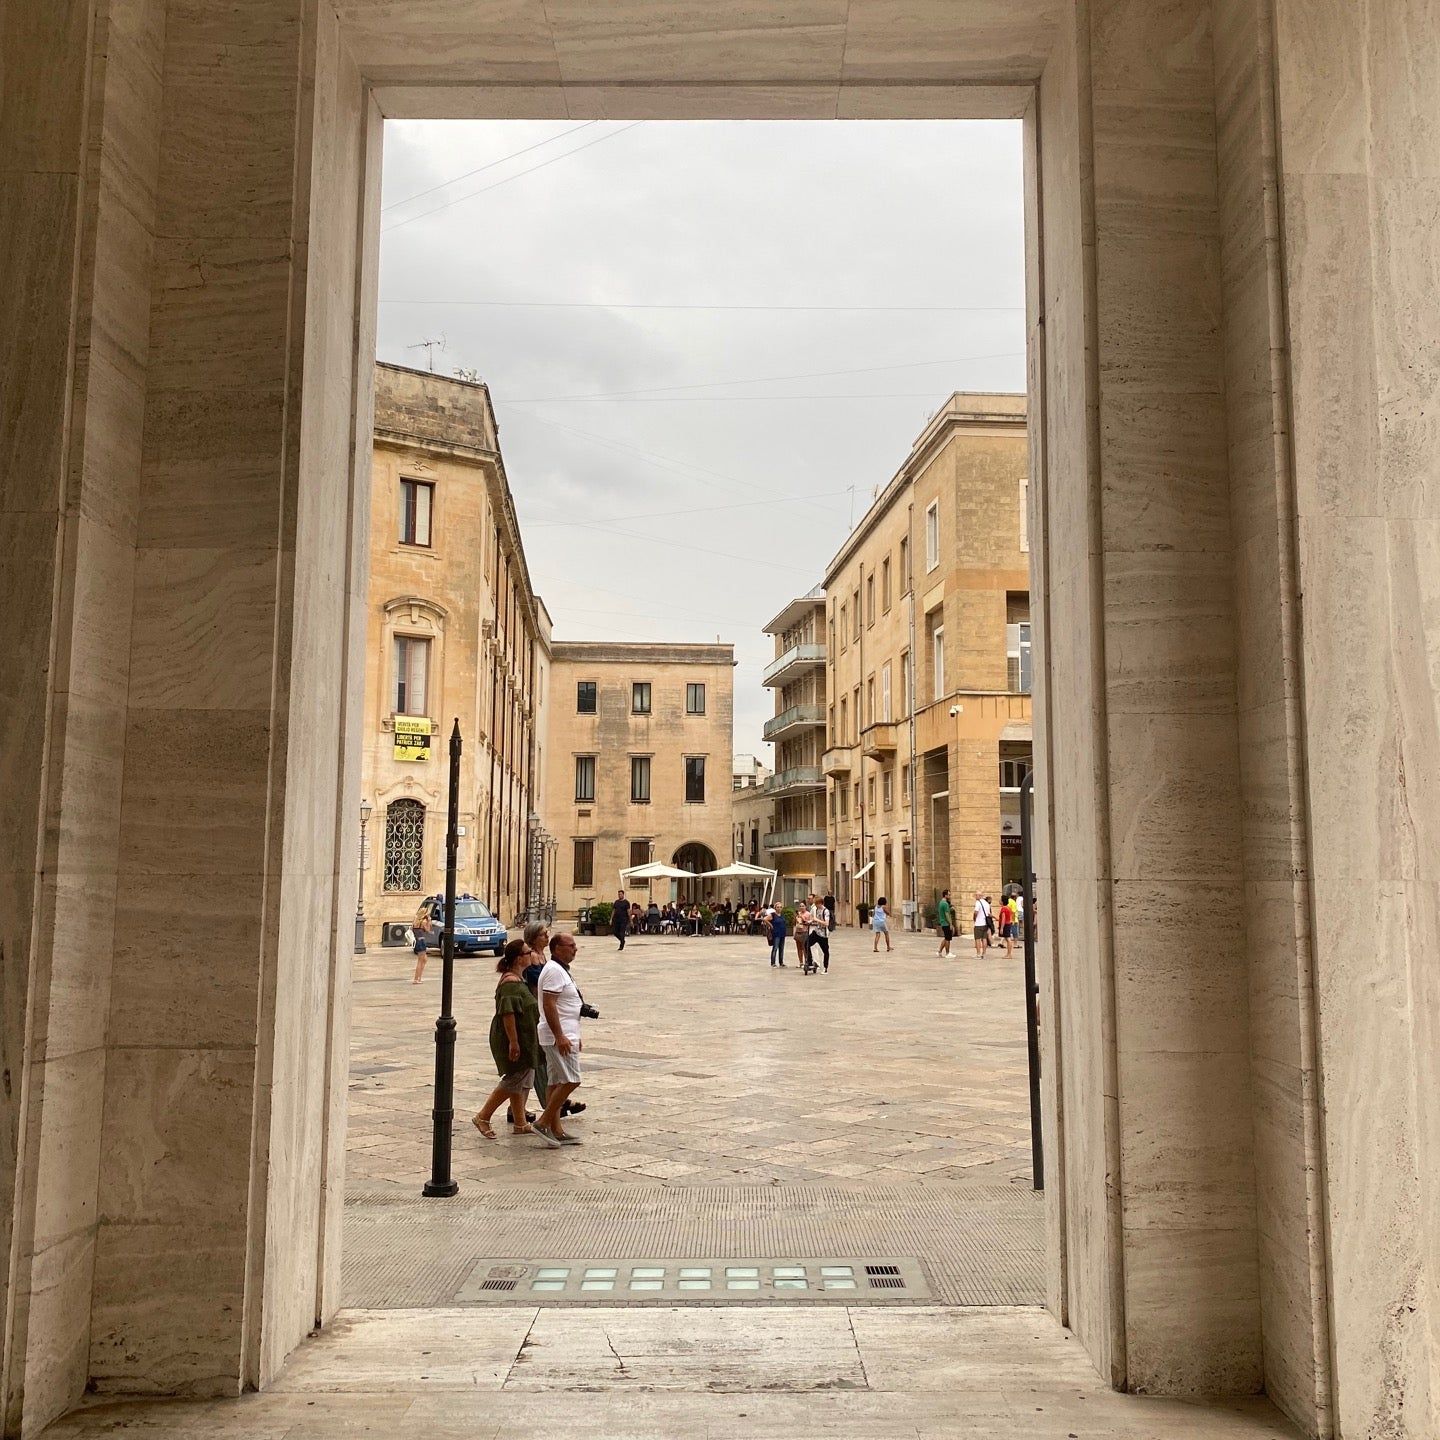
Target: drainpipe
x,y
860,722
910,711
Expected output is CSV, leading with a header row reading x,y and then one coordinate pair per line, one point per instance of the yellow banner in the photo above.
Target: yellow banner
x,y
412,738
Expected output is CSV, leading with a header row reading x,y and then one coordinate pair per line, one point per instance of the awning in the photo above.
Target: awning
x,y
655,870
739,870
864,871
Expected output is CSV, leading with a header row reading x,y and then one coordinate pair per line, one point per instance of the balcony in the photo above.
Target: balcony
x,y
801,777
836,760
796,661
796,717
879,741
795,840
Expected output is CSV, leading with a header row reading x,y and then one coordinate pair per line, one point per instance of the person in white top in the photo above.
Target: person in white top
x,y
982,924
819,932
559,1037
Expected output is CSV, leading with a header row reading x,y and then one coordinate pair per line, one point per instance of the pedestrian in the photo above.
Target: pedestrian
x,y
802,934
945,918
981,923
834,913
514,1041
422,930
1008,927
620,919
990,926
559,1032
777,938
819,930
880,924
537,939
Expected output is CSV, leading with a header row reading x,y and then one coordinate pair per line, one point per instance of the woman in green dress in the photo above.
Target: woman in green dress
x,y
514,1041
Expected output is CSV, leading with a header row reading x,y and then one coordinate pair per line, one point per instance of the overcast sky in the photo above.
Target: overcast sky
x,y
766,315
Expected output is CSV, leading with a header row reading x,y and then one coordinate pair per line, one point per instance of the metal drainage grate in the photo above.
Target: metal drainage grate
x,y
712,1281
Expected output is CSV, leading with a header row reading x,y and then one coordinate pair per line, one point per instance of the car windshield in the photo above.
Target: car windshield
x,y
469,910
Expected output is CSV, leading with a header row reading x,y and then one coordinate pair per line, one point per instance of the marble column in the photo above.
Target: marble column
x,y
1149,967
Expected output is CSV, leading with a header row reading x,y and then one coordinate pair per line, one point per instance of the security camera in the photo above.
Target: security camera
x,y
955,710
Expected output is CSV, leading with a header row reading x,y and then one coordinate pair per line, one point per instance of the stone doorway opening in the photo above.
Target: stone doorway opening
x,y
735,1135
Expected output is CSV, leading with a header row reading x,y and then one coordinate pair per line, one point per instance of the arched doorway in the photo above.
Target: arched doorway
x,y
697,859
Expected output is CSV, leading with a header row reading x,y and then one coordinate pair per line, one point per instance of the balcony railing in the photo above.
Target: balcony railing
x,y
795,840
796,715
794,661
799,777
836,760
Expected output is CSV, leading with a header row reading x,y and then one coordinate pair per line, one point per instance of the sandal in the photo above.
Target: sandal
x,y
484,1127
521,1129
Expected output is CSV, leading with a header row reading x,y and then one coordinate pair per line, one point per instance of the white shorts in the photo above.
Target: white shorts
x,y
562,1069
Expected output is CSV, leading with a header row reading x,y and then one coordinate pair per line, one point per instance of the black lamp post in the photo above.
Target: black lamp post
x,y
1032,984
442,1115
366,809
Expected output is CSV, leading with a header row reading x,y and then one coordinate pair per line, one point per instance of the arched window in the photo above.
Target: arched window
x,y
404,844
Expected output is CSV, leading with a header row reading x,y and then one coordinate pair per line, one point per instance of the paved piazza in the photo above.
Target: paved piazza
x,y
735,1112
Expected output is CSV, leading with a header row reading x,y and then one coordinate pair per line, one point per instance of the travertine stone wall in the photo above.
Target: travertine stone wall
x,y
1141,689
1357,106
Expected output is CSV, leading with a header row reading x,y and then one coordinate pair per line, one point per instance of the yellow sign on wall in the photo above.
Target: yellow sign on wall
x,y
412,738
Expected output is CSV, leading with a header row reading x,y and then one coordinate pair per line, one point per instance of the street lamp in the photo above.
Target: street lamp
x,y
366,810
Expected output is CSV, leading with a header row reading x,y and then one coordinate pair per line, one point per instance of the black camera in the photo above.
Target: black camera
x,y
589,1012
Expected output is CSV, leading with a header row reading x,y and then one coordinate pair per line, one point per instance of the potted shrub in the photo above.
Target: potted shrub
x,y
601,913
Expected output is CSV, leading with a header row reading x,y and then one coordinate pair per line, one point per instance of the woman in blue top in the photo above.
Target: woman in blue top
x,y
880,924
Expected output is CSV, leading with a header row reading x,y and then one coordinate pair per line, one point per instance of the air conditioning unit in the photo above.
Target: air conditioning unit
x,y
392,932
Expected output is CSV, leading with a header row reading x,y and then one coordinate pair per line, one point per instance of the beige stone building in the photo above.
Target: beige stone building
x,y
796,843
1232,311
640,753
453,632
751,821
928,634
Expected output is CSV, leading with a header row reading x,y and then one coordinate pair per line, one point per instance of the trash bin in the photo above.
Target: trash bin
x,y
864,914
907,909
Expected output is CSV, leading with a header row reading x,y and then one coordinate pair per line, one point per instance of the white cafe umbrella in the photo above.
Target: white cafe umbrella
x,y
739,870
655,870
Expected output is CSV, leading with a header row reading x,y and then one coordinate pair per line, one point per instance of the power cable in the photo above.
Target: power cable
x,y
769,379
766,309
529,170
489,165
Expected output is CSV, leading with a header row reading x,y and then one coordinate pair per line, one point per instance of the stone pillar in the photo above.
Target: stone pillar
x,y
1147,1008
1355,106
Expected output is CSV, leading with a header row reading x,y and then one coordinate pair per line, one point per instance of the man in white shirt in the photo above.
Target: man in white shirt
x,y
559,1037
982,925
819,931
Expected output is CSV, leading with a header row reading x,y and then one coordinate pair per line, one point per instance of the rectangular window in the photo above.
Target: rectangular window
x,y
844,793
905,566
857,800
855,614
870,701
844,736
1017,657
937,643
584,779
855,698
888,788
695,699
844,626
417,505
584,697
885,584
694,779
830,725
869,599
870,794
1024,514
904,682
639,779
584,871
639,852
1013,773
640,698
412,675
885,714
904,784
932,535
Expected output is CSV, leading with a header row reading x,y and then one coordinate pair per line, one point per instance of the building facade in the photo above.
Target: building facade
x,y
454,631
640,752
928,669
752,819
796,843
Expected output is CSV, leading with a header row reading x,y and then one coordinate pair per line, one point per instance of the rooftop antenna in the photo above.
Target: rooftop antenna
x,y
429,347
852,507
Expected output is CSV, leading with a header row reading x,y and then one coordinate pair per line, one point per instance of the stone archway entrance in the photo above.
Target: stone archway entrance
x,y
697,859
189,340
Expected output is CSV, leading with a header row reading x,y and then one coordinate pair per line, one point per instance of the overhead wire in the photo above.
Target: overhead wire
x,y
519,174
764,309
489,165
